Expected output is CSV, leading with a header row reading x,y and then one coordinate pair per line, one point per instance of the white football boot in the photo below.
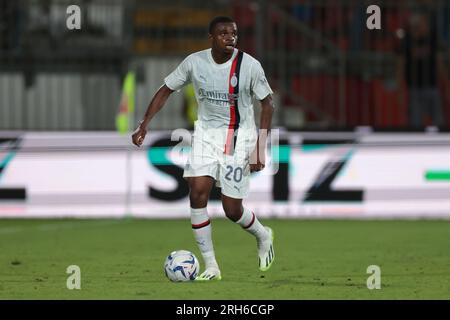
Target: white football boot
x,y
266,253
211,273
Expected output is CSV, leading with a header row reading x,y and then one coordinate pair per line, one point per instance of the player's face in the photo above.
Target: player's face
x,y
224,37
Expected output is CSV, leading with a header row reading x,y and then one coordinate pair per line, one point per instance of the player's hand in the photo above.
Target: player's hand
x,y
138,135
257,163
257,167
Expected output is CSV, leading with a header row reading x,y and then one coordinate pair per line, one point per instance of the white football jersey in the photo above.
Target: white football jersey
x,y
224,92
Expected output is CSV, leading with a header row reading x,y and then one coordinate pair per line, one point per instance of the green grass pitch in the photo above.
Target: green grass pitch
x,y
315,259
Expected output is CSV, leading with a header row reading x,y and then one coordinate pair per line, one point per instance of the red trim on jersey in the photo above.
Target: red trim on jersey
x,y
227,149
251,222
230,133
201,225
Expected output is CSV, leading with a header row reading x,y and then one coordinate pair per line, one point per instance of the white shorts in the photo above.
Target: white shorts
x,y
231,172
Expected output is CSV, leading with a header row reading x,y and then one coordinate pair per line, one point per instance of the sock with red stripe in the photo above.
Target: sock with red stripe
x,y
201,225
251,224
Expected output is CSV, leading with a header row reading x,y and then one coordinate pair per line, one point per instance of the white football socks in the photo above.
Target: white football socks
x,y
251,224
201,226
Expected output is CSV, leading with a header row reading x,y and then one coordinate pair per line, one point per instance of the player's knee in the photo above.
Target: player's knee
x,y
198,199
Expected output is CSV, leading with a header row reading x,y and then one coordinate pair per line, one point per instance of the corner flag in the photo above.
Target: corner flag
x,y
126,108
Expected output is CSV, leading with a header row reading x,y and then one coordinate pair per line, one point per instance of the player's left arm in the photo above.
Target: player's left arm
x,y
258,158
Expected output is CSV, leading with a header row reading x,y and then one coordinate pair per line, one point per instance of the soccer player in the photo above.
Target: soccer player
x,y
226,146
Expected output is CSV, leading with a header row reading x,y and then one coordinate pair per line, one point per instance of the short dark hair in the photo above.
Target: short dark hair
x,y
219,19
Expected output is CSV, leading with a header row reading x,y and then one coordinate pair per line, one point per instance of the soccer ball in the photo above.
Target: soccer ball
x,y
181,265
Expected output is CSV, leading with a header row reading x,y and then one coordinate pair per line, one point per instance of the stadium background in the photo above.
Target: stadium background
x,y
347,147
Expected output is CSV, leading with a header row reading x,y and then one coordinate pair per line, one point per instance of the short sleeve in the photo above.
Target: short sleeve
x,y
180,76
259,84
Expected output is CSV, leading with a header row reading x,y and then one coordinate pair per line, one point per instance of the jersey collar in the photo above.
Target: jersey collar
x,y
222,65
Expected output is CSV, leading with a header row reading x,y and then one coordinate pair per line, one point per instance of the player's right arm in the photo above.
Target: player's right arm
x,y
173,82
158,101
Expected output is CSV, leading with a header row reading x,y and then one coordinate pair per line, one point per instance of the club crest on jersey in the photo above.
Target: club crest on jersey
x,y
234,80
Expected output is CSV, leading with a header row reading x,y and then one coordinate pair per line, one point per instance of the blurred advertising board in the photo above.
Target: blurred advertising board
x,y
308,175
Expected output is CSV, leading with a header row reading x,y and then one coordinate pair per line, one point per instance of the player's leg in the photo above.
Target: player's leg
x,y
236,212
200,187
